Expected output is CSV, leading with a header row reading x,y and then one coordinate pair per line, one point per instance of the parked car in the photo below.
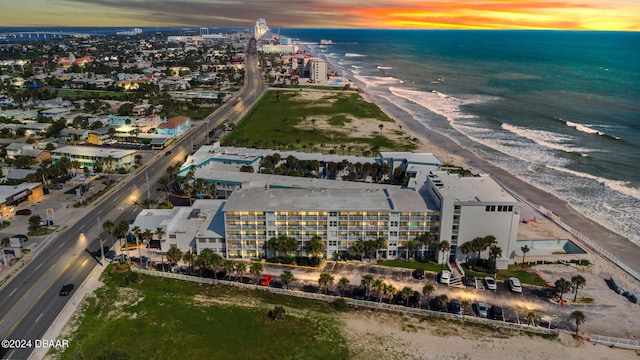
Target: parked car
x,y
23,212
266,280
481,309
490,283
22,237
56,187
66,289
445,277
454,307
46,222
515,285
167,153
495,313
418,274
469,281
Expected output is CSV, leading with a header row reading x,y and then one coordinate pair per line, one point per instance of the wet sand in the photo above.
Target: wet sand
x,y
449,150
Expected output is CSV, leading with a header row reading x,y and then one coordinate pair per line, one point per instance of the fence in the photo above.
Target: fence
x,y
354,302
585,240
617,342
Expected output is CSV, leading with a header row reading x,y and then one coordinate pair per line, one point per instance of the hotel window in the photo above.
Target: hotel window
x,y
333,213
393,223
493,208
487,208
510,209
271,233
393,233
333,243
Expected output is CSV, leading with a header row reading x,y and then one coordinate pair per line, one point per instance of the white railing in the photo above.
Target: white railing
x,y
617,342
354,302
585,240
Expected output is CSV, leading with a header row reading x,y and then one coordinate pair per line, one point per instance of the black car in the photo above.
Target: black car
x,y
66,289
496,313
22,237
167,153
23,212
470,281
454,307
418,274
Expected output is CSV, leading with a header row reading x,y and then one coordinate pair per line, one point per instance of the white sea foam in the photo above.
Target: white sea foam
x,y
587,129
356,67
547,139
371,81
384,67
619,186
353,55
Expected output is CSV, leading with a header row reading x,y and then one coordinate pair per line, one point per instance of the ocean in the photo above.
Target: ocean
x,y
558,109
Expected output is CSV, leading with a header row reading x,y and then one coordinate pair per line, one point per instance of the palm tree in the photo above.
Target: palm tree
x,y
381,126
466,249
525,249
343,284
495,252
256,270
390,291
228,267
200,263
427,290
531,318
159,235
286,277
381,243
108,226
442,302
241,268
379,285
325,280
359,248
562,286
578,317
188,258
406,294
366,283
410,245
444,246
147,235
578,282
316,245
174,255
426,239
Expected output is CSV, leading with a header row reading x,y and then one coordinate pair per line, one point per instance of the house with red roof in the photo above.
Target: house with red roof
x,y
175,126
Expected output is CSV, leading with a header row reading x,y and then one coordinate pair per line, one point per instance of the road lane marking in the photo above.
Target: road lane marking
x,y
61,245
84,262
38,267
37,299
23,296
39,316
14,290
82,227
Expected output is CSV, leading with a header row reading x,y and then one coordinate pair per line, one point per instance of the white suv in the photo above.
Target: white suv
x,y
445,276
514,284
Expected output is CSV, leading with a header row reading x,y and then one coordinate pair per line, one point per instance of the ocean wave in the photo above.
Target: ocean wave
x,y
353,55
370,81
588,130
547,139
356,67
619,186
384,67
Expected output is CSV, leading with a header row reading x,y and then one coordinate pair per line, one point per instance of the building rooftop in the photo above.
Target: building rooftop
x,y
92,151
325,199
173,122
480,188
7,191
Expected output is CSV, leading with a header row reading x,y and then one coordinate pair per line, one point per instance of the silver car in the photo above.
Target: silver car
x,y
481,309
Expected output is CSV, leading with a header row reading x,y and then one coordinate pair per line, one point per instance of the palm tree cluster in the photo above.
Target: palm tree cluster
x,y
368,247
282,243
480,244
187,185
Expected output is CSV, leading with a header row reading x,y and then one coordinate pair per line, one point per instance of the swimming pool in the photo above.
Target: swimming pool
x,y
549,247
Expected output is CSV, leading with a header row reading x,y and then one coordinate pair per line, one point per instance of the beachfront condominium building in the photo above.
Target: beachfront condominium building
x,y
318,73
340,217
475,206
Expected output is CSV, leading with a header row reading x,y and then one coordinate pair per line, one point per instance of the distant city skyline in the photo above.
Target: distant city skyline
x,y
388,14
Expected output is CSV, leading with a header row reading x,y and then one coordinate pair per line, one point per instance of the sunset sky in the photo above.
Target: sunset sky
x,y
474,14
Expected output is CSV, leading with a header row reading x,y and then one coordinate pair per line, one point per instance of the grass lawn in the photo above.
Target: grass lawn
x,y
169,319
286,124
513,271
428,266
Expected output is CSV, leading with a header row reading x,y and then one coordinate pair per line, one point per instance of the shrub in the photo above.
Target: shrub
x,y
278,313
315,261
273,260
287,260
302,261
340,304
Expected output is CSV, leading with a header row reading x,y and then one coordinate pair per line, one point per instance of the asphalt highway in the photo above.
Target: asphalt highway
x,y
30,301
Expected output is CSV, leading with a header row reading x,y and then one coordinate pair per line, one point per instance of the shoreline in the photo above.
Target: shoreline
x,y
449,150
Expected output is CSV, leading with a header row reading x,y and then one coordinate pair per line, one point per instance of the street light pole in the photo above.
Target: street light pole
x,y
101,245
146,174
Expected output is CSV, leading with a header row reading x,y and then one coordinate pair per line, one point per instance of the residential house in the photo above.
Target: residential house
x,y
89,156
175,126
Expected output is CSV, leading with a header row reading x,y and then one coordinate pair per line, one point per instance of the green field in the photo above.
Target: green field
x,y
168,319
290,120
